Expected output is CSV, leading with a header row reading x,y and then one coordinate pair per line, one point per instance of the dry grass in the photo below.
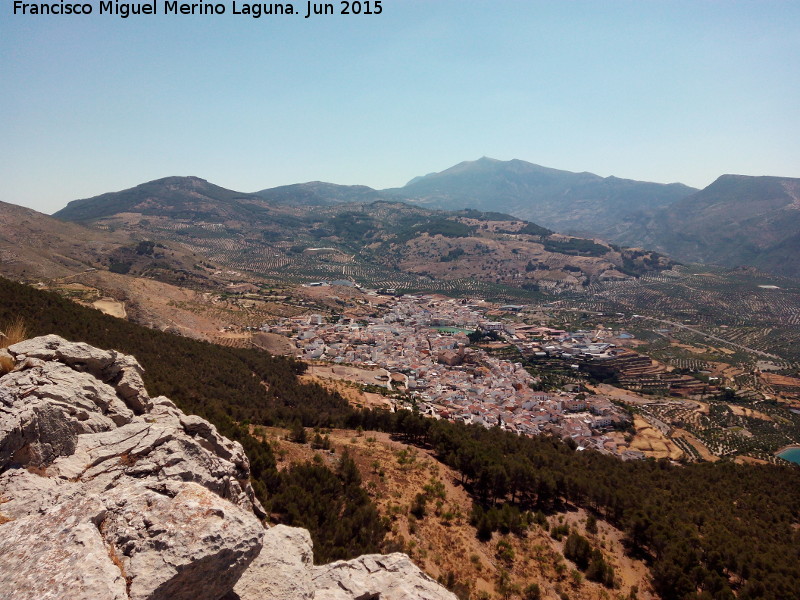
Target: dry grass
x,y
112,554
443,541
13,333
39,470
7,364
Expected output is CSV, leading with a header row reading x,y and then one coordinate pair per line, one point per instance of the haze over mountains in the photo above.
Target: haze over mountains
x,y
567,202
737,220
311,231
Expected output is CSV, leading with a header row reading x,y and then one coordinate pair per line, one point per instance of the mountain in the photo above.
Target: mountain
x,y
379,244
567,202
172,196
737,220
319,193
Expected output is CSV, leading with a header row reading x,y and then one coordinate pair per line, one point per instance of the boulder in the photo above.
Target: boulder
x,y
282,570
376,577
179,541
107,493
60,554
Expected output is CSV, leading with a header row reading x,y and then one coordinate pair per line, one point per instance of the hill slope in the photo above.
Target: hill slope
x,y
380,244
170,196
320,193
737,220
561,200
34,245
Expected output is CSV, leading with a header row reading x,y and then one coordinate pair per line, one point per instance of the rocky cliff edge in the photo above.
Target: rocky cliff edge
x,y
107,493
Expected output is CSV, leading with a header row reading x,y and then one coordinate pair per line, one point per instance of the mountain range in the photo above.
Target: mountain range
x,y
578,203
736,221
322,231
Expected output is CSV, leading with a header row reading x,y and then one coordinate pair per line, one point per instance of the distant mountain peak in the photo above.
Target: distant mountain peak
x,y
580,203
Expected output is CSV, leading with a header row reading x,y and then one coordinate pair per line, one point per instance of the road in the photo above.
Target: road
x,y
710,336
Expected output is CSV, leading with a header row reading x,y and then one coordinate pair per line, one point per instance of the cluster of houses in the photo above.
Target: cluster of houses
x,y
422,342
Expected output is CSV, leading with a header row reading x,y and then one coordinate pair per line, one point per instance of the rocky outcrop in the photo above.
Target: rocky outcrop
x,y
376,577
284,571
107,493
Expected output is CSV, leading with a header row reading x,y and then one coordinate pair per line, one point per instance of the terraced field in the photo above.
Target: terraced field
x,y
755,429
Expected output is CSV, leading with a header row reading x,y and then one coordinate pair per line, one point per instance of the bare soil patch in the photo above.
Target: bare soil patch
x,y
111,307
749,412
348,373
652,442
274,343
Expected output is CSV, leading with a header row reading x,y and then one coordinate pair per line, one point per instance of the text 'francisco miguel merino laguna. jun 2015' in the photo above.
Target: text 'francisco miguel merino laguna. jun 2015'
x,y
173,7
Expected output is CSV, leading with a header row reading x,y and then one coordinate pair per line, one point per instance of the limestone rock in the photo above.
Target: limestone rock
x,y
376,576
179,542
109,366
282,570
60,554
107,493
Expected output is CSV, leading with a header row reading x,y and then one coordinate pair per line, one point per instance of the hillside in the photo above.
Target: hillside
x,y
34,245
379,244
582,203
178,197
159,285
737,220
319,193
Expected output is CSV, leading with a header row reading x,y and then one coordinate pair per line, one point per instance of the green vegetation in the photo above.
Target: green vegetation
x,y
589,560
432,226
454,254
575,247
120,267
478,215
534,229
352,224
333,506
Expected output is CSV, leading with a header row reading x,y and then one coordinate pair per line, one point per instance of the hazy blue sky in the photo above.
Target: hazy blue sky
x,y
653,90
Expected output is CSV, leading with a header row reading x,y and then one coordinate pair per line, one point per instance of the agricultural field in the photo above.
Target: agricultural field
x,y
755,429
743,315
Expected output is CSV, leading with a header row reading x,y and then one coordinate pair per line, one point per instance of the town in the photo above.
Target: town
x,y
419,346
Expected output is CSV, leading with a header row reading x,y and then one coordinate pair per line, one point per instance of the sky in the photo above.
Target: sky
x,y
651,90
